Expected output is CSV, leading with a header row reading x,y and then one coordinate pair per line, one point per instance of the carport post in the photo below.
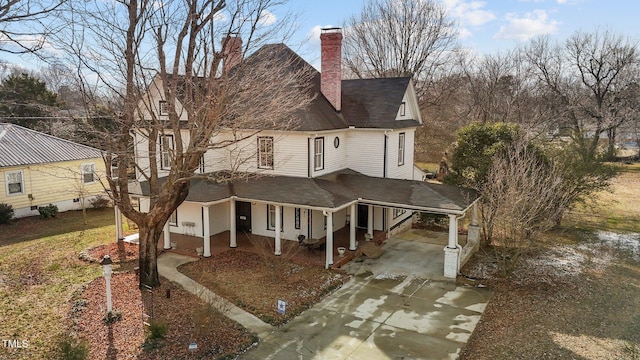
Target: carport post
x,y
451,251
352,227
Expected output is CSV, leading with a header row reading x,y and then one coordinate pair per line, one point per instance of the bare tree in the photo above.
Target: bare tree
x,y
25,25
144,51
413,38
588,76
389,38
523,195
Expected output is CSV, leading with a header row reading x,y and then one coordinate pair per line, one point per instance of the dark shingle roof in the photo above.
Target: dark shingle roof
x,y
410,193
367,103
334,190
374,103
22,146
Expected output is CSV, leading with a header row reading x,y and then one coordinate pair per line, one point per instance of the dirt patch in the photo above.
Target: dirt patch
x,y
188,320
256,283
562,302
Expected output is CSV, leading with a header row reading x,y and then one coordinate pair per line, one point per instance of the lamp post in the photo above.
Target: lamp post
x,y
106,272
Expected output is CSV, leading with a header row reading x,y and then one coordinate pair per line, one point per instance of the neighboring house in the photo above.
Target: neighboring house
x,y
349,162
39,169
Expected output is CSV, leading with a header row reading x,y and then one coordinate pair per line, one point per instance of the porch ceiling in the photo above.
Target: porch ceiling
x,y
333,191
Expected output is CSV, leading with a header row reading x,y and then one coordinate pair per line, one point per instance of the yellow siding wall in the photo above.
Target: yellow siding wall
x,y
53,182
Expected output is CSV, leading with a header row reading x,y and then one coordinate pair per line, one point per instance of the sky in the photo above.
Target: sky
x,y
487,26
484,26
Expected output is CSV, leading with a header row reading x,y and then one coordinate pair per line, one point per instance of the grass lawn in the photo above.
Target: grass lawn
x,y
39,272
576,297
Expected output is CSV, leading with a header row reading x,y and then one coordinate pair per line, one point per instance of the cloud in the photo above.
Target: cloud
x,y
524,28
471,13
267,18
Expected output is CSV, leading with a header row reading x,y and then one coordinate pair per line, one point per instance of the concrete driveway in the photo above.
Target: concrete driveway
x,y
395,307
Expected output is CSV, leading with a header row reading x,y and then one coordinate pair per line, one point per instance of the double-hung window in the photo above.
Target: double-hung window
x,y
166,151
318,153
265,152
271,217
401,147
163,108
88,173
14,181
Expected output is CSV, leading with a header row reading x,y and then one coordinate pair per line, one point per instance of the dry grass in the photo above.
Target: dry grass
x,y
617,209
39,272
576,297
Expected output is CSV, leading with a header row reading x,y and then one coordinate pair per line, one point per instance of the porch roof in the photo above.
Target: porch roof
x,y
333,191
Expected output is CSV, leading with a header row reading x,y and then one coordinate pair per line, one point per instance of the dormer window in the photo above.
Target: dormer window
x,y
163,108
403,109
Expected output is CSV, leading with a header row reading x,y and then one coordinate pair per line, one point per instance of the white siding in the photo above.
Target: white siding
x,y
394,170
219,218
366,152
334,158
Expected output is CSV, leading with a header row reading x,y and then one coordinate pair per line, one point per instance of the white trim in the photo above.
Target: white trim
x,y
83,172
7,182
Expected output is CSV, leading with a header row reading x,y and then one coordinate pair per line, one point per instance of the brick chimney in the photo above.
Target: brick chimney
x,y
331,66
232,51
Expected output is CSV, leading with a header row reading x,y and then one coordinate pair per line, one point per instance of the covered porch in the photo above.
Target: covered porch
x,y
337,209
264,245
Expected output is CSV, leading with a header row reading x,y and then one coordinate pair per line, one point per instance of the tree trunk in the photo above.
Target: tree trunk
x,y
147,255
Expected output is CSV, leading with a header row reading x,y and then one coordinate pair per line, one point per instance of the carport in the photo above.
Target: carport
x,y
419,196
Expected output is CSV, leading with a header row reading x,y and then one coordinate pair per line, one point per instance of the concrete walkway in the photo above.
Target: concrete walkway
x,y
167,267
392,308
398,306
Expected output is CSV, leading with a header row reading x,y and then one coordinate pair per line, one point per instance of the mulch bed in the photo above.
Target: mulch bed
x,y
119,252
188,319
255,282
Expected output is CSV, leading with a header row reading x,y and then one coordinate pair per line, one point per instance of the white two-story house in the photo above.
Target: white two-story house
x,y
347,163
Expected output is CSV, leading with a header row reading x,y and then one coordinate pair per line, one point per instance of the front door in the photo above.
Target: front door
x,y
243,216
363,216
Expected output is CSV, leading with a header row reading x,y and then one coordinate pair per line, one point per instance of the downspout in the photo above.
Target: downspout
x,y
384,158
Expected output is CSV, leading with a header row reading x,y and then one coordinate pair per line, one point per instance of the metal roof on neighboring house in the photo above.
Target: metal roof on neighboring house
x,y
22,146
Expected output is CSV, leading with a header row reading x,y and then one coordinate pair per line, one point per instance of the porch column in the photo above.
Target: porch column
x,y
207,232
352,227
451,251
166,236
232,224
370,220
278,243
329,244
453,232
119,236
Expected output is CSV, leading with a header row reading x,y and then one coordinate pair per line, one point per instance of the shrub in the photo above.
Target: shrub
x,y
49,211
157,331
112,317
6,213
72,350
100,202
